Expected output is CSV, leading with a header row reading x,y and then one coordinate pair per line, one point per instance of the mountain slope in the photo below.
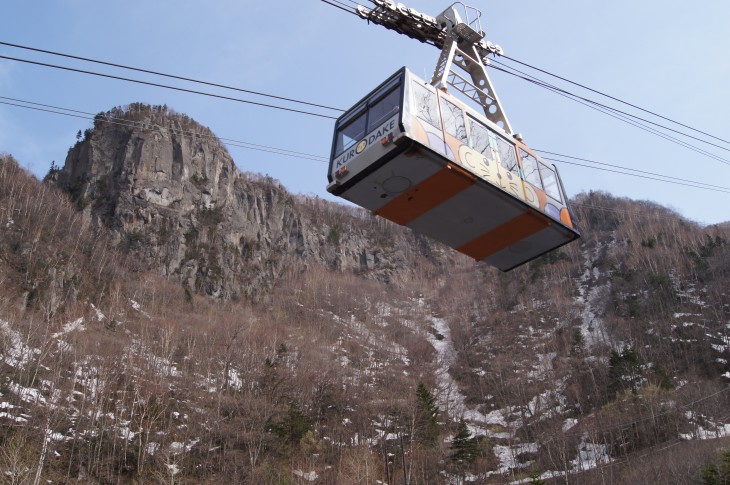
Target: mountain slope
x,y
305,355
171,194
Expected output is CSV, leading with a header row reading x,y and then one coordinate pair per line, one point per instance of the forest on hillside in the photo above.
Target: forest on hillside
x,y
602,362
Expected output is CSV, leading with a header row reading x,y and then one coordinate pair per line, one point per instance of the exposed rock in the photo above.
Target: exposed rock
x,y
171,193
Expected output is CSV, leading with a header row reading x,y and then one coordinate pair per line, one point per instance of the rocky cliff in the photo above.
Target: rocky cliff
x,y
171,193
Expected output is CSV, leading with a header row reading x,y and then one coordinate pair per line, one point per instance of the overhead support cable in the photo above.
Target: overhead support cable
x,y
628,168
618,169
617,99
605,107
294,154
124,122
175,88
171,76
340,5
618,116
685,183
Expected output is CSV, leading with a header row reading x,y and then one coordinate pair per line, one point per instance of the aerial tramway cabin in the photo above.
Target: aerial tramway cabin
x,y
414,154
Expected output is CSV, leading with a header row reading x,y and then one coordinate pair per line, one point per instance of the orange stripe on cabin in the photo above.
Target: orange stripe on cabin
x,y
504,236
430,193
565,217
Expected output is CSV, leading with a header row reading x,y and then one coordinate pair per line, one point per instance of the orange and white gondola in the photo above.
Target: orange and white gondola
x,y
414,154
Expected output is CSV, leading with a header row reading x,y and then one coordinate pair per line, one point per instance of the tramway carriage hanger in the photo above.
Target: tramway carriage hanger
x,y
413,153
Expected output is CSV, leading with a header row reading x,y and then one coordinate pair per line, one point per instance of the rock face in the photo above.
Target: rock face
x,y
171,193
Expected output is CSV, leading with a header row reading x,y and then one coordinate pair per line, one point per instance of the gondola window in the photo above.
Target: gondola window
x,y
454,121
426,105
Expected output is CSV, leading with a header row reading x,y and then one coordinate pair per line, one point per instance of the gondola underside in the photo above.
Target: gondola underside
x,y
419,188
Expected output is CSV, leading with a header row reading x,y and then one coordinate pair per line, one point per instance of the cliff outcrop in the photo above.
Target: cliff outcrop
x,y
171,193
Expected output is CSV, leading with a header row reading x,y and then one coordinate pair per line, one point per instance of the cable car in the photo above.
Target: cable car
x,y
416,155
413,153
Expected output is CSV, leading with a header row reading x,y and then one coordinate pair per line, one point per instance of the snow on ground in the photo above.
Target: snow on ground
x,y
165,367
450,399
56,436
508,456
308,476
100,317
6,406
30,395
152,447
138,307
382,311
125,432
708,431
17,353
448,395
544,365
177,447
590,455
365,334
17,419
234,379
589,294
88,376
77,324
701,433
569,423
690,293
550,403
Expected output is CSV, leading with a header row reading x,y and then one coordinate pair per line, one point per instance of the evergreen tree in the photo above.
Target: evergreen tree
x,y
427,427
535,479
464,446
52,171
718,475
624,371
293,426
579,342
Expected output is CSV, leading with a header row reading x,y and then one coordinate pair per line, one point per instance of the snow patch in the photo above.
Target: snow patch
x,y
177,447
711,430
100,317
77,324
136,306
27,394
508,456
569,423
308,476
589,296
17,353
590,455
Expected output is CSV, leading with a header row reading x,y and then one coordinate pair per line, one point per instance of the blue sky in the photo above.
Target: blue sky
x,y
660,55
